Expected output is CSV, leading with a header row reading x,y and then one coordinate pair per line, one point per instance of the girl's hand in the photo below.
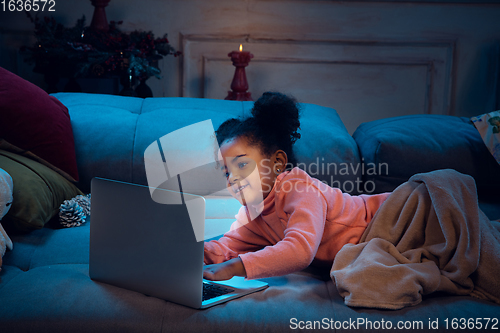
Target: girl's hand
x,y
225,270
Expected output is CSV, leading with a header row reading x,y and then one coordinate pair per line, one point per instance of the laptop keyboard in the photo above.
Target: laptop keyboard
x,y
212,290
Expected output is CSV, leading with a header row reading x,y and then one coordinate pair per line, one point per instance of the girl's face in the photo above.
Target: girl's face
x,y
250,175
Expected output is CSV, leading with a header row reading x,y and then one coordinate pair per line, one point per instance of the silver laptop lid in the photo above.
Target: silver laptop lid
x,y
139,244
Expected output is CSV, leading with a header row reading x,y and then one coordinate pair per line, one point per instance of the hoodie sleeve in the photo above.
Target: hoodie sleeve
x,y
243,237
304,212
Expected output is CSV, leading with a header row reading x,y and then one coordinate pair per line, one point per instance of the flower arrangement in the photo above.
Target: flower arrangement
x,y
82,52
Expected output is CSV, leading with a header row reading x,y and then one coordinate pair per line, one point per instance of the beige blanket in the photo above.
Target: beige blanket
x,y
428,236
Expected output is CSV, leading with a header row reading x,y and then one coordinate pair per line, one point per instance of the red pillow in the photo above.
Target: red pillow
x,y
35,121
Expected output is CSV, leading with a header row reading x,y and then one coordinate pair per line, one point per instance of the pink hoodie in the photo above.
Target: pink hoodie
x,y
304,221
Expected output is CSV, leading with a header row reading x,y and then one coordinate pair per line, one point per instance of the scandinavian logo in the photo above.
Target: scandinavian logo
x,y
185,161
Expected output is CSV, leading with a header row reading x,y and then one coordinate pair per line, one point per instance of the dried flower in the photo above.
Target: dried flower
x,y
78,50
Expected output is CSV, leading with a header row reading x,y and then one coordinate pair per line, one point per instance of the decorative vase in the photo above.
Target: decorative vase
x,y
99,20
72,86
142,90
127,81
51,79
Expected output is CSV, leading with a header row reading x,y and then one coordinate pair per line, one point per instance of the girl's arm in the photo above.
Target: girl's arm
x,y
243,237
222,258
304,211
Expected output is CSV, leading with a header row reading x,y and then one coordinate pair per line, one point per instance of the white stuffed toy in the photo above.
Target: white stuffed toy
x,y
6,187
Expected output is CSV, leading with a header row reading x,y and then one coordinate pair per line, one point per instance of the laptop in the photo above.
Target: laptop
x,y
148,247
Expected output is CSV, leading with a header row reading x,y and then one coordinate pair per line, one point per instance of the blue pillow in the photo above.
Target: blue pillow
x,y
400,147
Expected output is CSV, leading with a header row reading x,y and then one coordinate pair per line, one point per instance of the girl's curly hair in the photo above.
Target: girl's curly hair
x,y
272,126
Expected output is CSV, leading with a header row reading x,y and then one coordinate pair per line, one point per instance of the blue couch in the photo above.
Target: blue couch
x,y
44,282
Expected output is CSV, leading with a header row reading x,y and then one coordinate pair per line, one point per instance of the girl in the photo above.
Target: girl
x,y
288,219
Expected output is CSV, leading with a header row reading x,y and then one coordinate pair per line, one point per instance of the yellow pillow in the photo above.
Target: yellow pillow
x,y
38,192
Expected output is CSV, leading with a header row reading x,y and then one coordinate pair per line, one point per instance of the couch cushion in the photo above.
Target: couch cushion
x,y
104,132
112,133
161,116
49,246
38,192
400,147
62,298
34,121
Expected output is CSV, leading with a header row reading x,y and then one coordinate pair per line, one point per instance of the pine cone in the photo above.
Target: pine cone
x,y
71,214
84,202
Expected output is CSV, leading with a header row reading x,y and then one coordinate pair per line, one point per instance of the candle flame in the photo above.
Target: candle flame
x,y
241,47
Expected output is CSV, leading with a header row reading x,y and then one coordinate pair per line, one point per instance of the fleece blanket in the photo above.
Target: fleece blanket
x,y
428,236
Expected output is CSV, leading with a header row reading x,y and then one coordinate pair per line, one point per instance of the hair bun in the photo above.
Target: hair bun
x,y
279,113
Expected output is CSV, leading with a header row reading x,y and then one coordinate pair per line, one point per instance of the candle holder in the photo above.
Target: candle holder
x,y
239,85
99,20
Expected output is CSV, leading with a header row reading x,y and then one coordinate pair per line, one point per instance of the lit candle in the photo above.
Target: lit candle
x,y
239,85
